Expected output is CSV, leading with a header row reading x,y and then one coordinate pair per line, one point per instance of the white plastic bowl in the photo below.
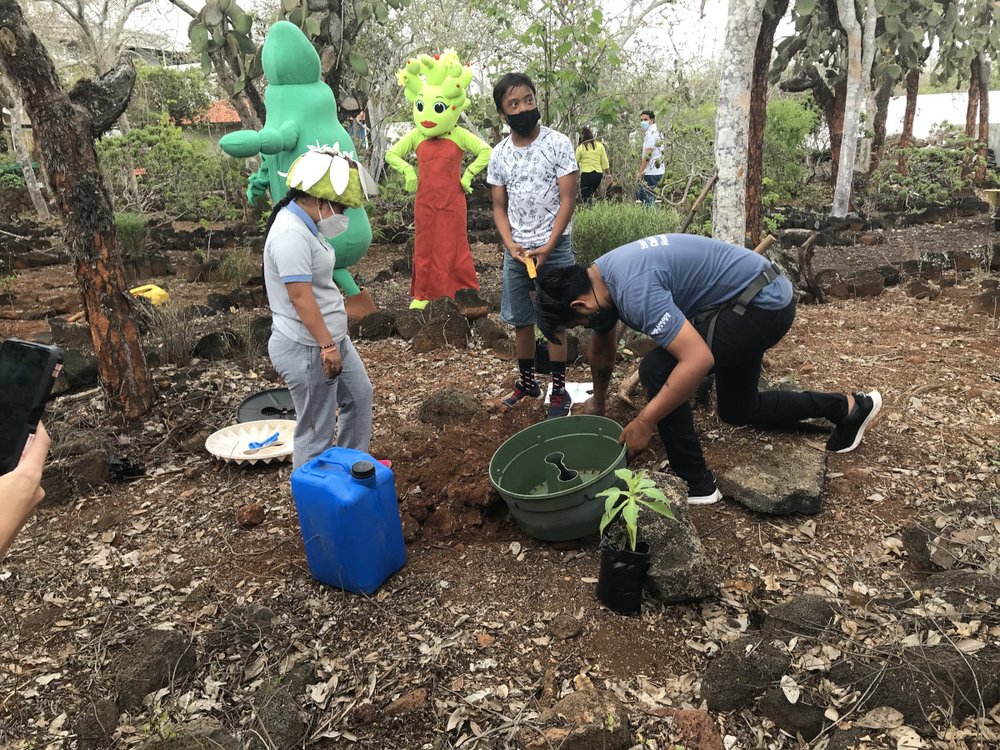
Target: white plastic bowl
x,y
232,444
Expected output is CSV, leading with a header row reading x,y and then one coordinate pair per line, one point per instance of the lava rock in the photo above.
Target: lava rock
x,y
449,406
95,724
377,325
741,672
794,718
787,483
158,658
802,615
250,515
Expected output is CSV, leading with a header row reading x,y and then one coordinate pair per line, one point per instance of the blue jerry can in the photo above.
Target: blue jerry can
x,y
349,516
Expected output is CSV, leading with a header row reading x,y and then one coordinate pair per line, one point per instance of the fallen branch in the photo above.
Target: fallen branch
x,y
697,203
626,388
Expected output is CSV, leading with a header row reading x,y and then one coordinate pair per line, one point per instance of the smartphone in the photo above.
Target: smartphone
x,y
27,372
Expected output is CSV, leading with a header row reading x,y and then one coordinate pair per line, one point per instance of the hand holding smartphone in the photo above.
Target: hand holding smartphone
x,y
27,373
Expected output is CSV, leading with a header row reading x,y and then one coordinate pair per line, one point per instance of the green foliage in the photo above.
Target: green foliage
x,y
687,136
186,179
605,225
789,122
935,176
11,181
131,231
237,266
181,94
624,504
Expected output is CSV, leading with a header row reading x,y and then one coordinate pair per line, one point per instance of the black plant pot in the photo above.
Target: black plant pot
x,y
622,578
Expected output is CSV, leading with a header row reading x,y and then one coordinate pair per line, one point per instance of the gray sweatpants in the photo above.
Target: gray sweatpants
x,y
317,399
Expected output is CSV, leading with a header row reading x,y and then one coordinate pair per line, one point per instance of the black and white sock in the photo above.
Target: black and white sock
x,y
527,369
558,376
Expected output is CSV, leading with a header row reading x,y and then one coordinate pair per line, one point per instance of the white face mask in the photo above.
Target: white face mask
x,y
332,226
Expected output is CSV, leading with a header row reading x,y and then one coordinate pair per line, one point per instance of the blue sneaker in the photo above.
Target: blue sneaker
x,y
521,392
559,403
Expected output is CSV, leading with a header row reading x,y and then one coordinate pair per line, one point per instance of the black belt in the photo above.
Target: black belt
x,y
737,304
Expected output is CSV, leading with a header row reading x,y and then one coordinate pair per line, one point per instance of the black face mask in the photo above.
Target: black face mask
x,y
604,320
524,122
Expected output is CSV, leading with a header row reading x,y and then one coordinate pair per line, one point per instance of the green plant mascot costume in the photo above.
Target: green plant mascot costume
x,y
442,261
301,112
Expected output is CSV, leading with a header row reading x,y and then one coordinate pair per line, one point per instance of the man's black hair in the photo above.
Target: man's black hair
x,y
508,82
557,288
649,114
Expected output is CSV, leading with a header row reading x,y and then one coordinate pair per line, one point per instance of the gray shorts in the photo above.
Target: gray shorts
x,y
516,308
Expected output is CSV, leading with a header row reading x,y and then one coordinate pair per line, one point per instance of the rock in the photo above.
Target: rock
x,y
296,680
565,626
470,304
95,724
927,552
442,308
89,469
802,615
402,266
987,302
443,521
428,339
218,345
250,515
411,527
779,482
962,588
240,629
277,723
249,297
449,406
693,727
504,349
851,739
928,685
408,323
679,571
377,325
794,718
58,487
866,284
157,659
920,289
585,720
741,672
961,261
489,331
204,733
219,302
260,331
415,700
890,274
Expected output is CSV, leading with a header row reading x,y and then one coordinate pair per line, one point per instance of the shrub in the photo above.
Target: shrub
x,y
789,122
131,230
11,181
170,325
604,226
935,175
237,266
186,179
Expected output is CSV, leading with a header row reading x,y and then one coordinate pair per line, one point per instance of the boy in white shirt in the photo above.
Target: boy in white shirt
x,y
533,172
651,167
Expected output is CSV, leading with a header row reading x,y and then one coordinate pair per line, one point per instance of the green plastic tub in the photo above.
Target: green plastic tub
x,y
550,474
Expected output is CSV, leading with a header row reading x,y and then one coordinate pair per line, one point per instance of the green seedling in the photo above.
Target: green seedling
x,y
624,504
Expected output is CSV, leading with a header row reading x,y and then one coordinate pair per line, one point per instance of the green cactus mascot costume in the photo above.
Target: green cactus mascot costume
x,y
301,112
442,261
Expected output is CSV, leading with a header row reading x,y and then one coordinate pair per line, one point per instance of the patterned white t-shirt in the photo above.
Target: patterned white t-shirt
x,y
651,142
531,175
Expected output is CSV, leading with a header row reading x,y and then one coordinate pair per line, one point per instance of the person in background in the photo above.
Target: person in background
x,y
650,170
533,173
593,160
357,129
21,488
712,307
309,345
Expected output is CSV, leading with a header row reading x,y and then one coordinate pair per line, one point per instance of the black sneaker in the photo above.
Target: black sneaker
x,y
521,392
704,491
847,435
560,403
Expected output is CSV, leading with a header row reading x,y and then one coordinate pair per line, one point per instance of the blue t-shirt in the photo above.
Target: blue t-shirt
x,y
658,282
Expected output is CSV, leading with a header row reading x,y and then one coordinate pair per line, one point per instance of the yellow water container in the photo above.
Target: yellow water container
x,y
152,292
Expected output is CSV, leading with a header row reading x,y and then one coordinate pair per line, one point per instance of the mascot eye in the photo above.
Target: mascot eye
x,y
440,107
420,106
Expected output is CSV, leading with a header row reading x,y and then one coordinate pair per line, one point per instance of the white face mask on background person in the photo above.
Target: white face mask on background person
x,y
332,225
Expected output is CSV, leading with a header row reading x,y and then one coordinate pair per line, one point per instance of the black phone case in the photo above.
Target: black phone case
x,y
52,368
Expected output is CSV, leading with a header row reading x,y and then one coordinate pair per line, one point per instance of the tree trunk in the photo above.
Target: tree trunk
x,y
248,118
63,134
912,89
24,158
860,55
733,122
758,121
973,106
984,116
882,98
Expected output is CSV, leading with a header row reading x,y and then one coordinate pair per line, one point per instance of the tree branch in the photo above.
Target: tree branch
x,y
106,98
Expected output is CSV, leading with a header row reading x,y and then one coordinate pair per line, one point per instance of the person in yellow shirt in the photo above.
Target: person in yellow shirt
x,y
593,161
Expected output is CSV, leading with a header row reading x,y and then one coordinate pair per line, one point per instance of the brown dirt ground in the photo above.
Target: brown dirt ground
x,y
165,549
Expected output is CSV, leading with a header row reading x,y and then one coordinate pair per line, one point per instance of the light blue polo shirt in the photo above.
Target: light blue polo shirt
x,y
294,251
658,282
